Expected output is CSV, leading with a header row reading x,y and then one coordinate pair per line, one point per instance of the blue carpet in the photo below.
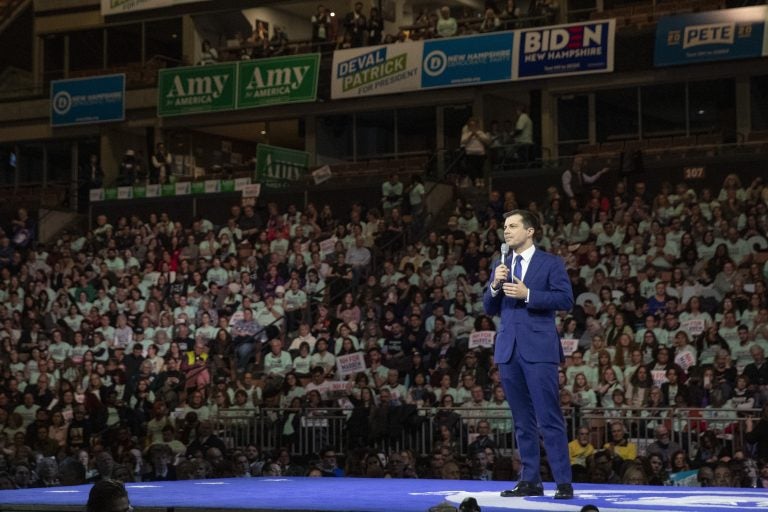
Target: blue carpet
x,y
386,495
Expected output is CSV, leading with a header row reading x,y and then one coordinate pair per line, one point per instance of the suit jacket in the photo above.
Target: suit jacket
x,y
531,326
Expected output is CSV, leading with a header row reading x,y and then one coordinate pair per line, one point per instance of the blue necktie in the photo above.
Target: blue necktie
x,y
518,270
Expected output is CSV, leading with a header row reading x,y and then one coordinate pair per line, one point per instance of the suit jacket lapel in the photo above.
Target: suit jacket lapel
x,y
533,267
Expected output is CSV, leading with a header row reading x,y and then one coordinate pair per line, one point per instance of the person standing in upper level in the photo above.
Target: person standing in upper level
x,y
321,26
447,26
475,141
375,27
161,165
355,25
391,193
523,134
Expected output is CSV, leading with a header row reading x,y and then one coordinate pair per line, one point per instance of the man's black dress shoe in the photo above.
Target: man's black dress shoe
x,y
564,492
524,489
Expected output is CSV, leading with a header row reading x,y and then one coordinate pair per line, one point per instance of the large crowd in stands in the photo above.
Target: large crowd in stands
x,y
356,29
123,349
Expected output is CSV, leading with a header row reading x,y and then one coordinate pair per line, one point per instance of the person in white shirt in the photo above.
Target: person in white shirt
x,y
277,363
474,141
391,193
59,350
304,335
523,135
322,357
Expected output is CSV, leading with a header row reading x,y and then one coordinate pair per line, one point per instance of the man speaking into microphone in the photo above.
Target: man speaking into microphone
x,y
528,287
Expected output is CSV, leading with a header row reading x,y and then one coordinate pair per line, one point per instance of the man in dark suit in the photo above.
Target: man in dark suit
x,y
527,288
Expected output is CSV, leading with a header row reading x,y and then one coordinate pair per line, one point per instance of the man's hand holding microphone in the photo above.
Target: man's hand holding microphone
x,y
515,288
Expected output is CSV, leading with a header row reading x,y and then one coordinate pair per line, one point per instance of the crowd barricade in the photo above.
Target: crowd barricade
x,y
684,424
306,431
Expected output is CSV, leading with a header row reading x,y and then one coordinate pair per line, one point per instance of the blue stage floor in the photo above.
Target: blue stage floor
x,y
384,495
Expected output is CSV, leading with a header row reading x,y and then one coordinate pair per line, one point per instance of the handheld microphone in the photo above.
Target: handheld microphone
x,y
504,253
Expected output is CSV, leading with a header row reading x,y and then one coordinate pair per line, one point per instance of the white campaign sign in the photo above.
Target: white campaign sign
x,y
350,364
373,70
569,345
481,339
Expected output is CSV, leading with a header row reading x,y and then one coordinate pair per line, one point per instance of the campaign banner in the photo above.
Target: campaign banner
x,y
569,345
327,245
88,100
337,389
659,377
276,163
726,34
350,364
168,190
183,188
253,190
688,478
562,50
376,70
291,79
481,339
96,194
240,184
196,89
321,174
212,186
112,7
125,192
685,360
467,60
694,326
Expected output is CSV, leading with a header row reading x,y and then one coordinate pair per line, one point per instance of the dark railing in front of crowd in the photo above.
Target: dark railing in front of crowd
x,y
310,429
313,428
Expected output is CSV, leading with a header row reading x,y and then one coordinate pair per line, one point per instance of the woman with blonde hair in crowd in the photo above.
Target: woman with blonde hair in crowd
x,y
732,183
583,395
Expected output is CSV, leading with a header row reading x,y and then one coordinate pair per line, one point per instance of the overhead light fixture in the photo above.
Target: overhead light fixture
x,y
263,132
333,14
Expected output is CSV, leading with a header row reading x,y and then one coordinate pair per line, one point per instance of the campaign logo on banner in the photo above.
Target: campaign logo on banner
x,y
467,60
196,89
278,80
710,36
376,70
88,100
276,163
573,49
